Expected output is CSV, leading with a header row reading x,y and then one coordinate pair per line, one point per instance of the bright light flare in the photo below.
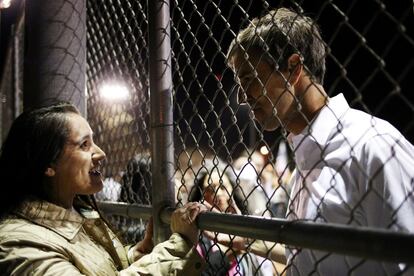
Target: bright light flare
x,y
4,4
114,92
264,150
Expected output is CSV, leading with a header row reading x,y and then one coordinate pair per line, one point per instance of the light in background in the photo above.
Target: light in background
x,y
114,92
264,150
4,4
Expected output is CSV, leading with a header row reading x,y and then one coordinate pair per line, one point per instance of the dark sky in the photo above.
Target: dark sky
x,y
371,61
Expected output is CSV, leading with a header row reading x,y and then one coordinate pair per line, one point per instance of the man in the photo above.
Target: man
x,y
352,168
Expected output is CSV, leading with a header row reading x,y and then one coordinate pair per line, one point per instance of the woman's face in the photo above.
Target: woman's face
x,y
77,171
218,191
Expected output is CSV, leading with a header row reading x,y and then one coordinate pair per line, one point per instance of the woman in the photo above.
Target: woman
x,y
50,224
213,186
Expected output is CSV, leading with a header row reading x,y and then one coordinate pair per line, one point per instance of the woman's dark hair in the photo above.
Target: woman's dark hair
x,y
35,140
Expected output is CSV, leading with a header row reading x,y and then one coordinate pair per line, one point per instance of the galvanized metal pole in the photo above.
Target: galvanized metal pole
x,y
161,114
55,61
18,44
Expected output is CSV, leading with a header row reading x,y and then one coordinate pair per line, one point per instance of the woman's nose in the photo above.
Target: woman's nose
x,y
98,154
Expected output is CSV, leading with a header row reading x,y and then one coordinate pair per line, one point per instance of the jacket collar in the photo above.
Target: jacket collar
x,y
64,222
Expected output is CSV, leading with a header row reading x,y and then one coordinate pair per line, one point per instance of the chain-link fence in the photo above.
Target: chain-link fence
x,y
118,64
328,173
222,156
12,75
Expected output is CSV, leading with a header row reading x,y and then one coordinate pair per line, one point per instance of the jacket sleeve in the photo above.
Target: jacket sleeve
x,y
172,257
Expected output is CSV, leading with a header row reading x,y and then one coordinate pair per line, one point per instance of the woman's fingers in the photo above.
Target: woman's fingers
x,y
149,229
183,220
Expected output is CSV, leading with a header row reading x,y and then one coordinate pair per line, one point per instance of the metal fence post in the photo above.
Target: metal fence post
x,y
55,61
161,113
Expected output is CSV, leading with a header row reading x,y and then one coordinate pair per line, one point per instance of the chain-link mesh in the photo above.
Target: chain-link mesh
x,y
55,53
222,156
11,96
217,142
118,102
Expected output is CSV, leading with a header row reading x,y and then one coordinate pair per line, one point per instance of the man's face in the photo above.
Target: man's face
x,y
265,90
77,171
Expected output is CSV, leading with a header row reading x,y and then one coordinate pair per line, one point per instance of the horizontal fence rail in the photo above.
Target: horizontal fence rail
x,y
370,243
125,209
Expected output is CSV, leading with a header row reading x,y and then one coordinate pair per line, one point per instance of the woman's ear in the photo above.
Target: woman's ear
x,y
295,67
50,172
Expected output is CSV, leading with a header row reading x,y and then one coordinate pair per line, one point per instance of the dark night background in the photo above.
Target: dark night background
x,y
371,63
374,75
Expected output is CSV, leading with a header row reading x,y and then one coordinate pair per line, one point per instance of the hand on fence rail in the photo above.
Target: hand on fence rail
x,y
60,221
183,221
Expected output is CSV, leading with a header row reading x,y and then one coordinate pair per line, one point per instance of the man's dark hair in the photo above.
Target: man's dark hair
x,y
279,34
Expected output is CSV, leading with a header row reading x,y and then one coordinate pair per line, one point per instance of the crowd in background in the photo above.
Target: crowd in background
x,y
253,184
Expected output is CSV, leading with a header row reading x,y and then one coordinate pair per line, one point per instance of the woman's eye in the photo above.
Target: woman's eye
x,y
85,145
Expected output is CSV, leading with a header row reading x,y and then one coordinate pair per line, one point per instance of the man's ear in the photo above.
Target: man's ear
x,y
295,67
50,172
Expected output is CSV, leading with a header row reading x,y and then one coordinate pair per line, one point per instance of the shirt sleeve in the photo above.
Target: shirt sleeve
x,y
389,201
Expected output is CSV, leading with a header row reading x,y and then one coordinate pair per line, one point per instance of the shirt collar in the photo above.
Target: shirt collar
x,y
324,123
64,222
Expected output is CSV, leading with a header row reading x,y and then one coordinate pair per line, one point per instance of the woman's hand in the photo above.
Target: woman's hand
x,y
183,220
146,245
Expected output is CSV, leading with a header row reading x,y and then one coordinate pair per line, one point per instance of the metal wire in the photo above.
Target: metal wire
x,y
218,148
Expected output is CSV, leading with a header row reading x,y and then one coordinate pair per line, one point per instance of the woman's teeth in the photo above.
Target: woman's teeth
x,y
95,172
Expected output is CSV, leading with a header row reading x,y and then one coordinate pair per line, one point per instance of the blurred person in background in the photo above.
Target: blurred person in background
x,y
262,183
49,221
136,181
352,168
187,163
248,169
111,190
213,186
136,188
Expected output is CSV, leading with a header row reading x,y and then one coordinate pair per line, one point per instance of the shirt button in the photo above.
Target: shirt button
x,y
197,265
98,223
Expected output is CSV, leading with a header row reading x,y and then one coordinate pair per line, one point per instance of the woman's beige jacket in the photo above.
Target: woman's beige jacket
x,y
44,239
